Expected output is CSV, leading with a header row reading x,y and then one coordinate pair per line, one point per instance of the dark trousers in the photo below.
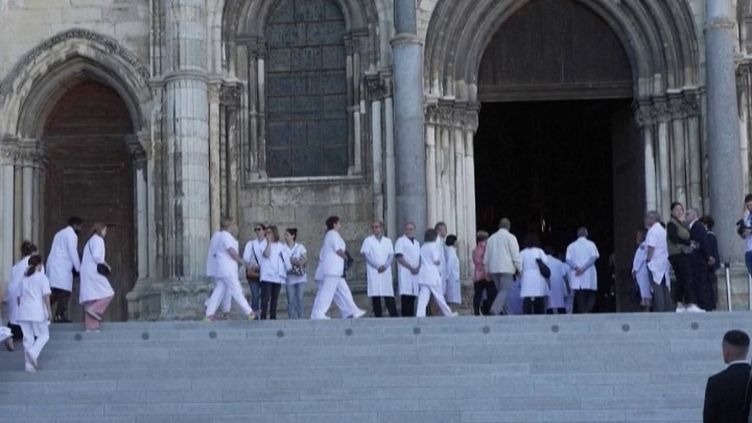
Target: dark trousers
x,y
703,290
480,306
269,298
534,305
560,310
407,302
684,291
713,282
584,300
255,295
59,300
390,305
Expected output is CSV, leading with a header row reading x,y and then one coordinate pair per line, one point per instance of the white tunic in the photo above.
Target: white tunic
x,y
298,251
658,265
453,288
378,252
14,288
93,285
219,262
557,295
640,271
274,268
331,263
430,254
580,253
253,250
33,290
63,258
532,283
410,251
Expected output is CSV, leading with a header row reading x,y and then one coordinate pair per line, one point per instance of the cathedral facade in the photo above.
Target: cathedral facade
x,y
159,117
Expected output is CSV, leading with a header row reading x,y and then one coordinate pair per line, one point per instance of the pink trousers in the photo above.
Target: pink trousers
x,y
98,306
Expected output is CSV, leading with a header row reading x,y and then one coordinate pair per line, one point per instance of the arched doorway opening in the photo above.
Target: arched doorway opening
x,y
89,174
557,146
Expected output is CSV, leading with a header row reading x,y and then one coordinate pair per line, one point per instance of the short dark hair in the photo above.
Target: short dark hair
x,y
439,224
708,221
28,248
674,204
451,240
748,198
736,338
531,241
430,235
75,220
34,261
331,221
293,232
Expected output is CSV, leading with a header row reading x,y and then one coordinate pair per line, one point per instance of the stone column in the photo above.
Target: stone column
x,y
664,164
7,157
408,103
376,152
431,194
724,163
393,226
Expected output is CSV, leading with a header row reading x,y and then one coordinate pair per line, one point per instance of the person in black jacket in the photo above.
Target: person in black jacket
x,y
713,251
726,398
700,258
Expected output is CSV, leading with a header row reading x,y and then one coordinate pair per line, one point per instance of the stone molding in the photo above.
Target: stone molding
x,y
650,111
453,114
379,85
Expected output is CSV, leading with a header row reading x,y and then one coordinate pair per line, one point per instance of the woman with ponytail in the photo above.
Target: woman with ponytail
x,y
96,292
34,311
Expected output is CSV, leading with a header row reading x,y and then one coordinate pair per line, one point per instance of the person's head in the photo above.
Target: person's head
x,y
709,222
430,235
99,228
75,222
272,233
451,240
639,236
410,230
441,229
35,264
377,228
28,248
531,241
582,232
735,346
333,223
651,218
692,214
481,236
677,211
291,235
505,223
228,225
259,229
748,202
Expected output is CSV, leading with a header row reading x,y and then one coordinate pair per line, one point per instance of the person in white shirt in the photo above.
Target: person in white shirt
x,y
16,276
640,273
378,253
407,253
274,263
222,264
331,272
533,285
296,275
745,231
559,292
581,257
34,311
430,278
63,263
656,258
96,292
502,262
251,252
453,292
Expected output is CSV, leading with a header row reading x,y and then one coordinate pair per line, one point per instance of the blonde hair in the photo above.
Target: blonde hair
x,y
97,228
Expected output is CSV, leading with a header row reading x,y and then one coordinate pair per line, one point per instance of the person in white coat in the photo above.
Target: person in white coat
x,y
640,273
296,274
533,285
430,277
407,254
331,272
222,264
251,252
16,276
63,263
96,292
441,233
656,257
559,292
378,254
581,257
453,293
274,263
34,311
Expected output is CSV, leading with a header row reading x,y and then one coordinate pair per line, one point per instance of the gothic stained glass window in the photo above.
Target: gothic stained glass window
x,y
307,128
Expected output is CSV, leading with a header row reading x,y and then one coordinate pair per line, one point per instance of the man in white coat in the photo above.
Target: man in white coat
x,y
378,253
407,253
502,261
63,263
656,257
581,257
222,265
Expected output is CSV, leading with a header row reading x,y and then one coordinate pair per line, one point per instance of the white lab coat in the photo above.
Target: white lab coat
x,y
558,294
14,288
640,271
579,253
331,263
378,252
93,285
430,253
453,286
331,285
32,305
224,269
298,251
63,258
658,265
410,251
253,251
532,283
274,268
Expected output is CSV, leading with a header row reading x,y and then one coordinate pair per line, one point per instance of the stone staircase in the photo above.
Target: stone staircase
x,y
596,368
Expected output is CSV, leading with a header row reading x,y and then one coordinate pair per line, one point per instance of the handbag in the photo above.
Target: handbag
x,y
545,271
102,268
296,269
253,275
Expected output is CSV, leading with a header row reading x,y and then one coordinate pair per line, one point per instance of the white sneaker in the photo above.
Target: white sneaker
x,y
358,314
454,314
680,308
692,308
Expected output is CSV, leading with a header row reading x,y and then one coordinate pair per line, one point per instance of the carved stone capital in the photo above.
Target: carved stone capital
x,y
31,153
229,96
662,109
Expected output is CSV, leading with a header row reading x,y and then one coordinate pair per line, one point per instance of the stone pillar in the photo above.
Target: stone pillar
x,y
7,157
376,151
724,163
431,194
392,225
408,102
